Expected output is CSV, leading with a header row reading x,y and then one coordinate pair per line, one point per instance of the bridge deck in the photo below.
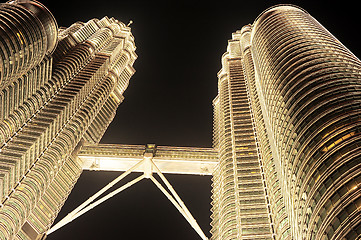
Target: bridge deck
x,y
179,160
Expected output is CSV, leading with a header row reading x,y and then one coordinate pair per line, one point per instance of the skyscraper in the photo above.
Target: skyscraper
x,y
287,129
60,88
286,153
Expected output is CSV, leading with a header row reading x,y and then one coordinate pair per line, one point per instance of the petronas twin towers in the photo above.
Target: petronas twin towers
x,y
287,126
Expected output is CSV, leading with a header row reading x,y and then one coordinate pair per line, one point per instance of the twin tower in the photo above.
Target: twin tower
x,y
287,124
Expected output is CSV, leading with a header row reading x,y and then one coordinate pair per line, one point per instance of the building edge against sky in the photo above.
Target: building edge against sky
x,y
303,91
60,88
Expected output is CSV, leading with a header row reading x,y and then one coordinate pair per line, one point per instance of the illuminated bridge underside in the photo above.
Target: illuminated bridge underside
x,y
179,160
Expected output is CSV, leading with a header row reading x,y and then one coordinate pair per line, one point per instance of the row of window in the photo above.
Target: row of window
x,y
279,218
49,205
224,215
42,130
310,84
23,44
71,133
71,99
238,155
101,121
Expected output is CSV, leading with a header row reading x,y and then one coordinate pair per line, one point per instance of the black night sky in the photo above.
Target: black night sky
x,y
169,102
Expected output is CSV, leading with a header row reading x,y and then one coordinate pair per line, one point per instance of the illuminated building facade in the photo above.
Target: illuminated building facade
x,y
286,155
60,88
287,129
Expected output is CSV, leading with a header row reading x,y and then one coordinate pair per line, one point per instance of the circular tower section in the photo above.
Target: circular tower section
x,y
311,92
28,32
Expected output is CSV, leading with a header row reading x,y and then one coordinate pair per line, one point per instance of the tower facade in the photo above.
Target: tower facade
x,y
287,130
60,88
